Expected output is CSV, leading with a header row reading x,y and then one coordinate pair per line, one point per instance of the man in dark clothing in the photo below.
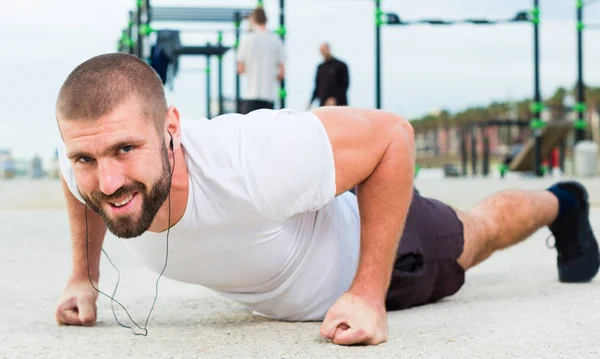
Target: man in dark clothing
x,y
332,80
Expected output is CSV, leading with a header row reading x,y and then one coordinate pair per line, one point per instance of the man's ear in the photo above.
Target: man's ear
x,y
173,126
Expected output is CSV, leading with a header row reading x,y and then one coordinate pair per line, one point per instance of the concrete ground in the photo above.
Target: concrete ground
x,y
510,307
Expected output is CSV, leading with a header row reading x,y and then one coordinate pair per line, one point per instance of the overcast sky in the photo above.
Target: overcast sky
x,y
425,68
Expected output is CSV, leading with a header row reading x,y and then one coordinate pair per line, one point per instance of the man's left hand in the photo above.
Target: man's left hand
x,y
353,320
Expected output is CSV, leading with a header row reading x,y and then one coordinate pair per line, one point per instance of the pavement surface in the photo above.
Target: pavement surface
x,y
512,305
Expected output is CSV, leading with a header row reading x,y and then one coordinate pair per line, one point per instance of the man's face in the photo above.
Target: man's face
x,y
324,49
121,166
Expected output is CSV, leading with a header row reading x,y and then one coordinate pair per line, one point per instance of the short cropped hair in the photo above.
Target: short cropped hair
x,y
99,85
259,16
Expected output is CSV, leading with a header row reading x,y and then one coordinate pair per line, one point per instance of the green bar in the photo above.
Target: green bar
x,y
282,93
579,4
126,40
537,107
220,37
378,15
207,69
580,125
280,31
536,15
580,26
146,30
580,107
503,168
537,124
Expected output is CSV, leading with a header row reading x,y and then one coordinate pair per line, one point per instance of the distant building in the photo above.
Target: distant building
x,y
7,164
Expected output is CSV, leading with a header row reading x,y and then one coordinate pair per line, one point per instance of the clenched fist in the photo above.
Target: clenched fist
x,y
351,320
77,305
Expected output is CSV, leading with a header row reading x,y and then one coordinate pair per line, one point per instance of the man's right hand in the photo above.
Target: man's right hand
x,y
77,305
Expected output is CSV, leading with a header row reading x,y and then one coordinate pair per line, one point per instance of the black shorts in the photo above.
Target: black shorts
x,y
426,268
253,105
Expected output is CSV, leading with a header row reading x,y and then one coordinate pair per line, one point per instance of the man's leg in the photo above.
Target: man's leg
x,y
510,217
502,220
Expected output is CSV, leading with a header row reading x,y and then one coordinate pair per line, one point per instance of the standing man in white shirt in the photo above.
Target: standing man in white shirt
x,y
261,59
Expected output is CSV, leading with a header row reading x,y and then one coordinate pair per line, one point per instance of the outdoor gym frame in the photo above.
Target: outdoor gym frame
x,y
139,26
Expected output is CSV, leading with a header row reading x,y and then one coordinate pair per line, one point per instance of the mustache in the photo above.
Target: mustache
x,y
121,192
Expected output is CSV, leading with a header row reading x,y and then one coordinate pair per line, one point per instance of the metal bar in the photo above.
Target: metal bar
x,y
130,33
138,24
208,70
473,150
463,151
282,93
485,165
238,20
580,132
537,132
146,22
149,13
197,14
441,22
201,31
562,151
203,50
220,75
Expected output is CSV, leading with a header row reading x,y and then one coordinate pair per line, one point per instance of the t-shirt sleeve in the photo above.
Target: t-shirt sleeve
x,y
288,162
67,172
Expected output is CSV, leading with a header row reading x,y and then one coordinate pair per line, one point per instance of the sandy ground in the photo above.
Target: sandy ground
x,y
511,306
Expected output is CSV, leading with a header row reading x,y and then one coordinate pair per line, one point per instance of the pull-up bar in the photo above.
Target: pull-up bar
x,y
204,14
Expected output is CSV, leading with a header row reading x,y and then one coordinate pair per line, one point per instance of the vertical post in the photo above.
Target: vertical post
x,y
378,23
485,168
537,107
562,149
130,33
463,150
473,149
282,31
208,114
238,21
436,144
138,30
580,107
220,72
148,13
146,29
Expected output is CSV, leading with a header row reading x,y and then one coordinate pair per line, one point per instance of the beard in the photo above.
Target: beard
x,y
130,226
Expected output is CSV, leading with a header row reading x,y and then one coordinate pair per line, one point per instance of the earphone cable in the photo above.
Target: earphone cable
x,y
113,300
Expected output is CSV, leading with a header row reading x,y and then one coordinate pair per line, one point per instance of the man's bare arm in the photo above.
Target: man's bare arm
x,y
374,151
96,233
241,68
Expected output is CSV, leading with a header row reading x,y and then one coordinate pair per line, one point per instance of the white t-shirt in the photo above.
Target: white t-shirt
x,y
262,225
261,52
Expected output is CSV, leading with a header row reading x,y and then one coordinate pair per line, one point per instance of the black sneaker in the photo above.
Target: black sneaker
x,y
578,256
